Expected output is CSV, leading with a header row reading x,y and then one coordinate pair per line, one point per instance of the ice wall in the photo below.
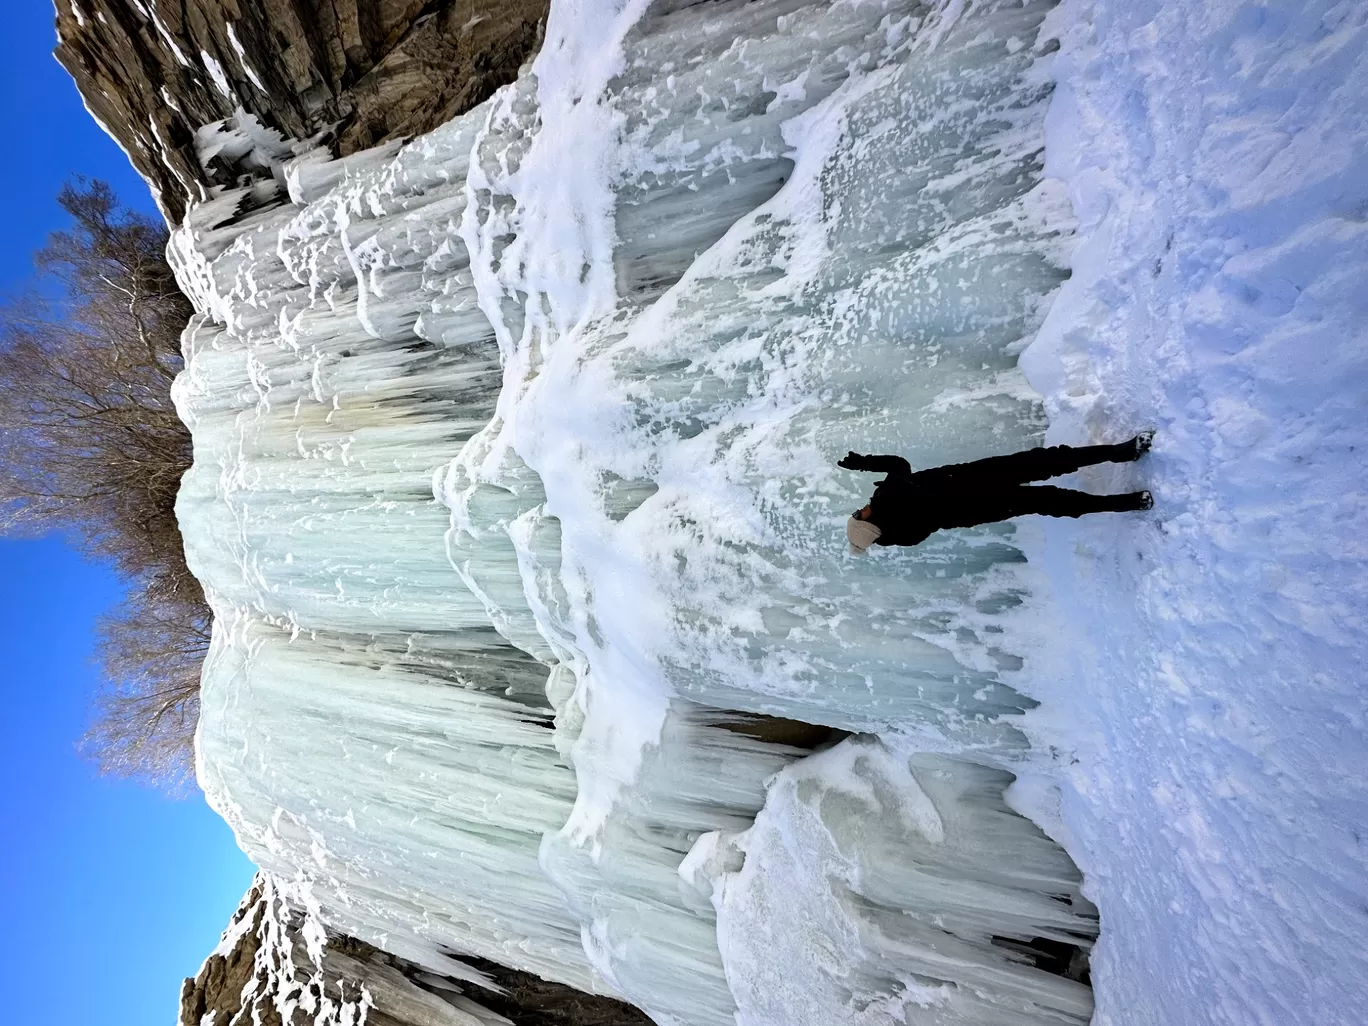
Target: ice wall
x,y
514,497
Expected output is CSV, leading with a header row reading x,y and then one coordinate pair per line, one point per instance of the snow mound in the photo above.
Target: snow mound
x,y
1217,158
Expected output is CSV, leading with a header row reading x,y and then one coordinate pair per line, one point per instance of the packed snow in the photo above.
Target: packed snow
x,y
515,499
1217,159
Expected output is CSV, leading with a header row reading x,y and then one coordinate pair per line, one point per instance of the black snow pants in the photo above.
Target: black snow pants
x,y
999,488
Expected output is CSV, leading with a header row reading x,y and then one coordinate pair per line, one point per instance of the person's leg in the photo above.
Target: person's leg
x,y
1050,501
1042,463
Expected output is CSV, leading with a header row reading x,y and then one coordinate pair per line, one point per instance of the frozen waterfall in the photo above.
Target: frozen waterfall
x,y
514,496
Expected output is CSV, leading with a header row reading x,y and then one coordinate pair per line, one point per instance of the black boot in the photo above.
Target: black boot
x,y
1140,444
1133,502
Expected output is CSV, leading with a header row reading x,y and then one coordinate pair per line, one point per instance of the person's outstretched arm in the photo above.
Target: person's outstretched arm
x,y
893,466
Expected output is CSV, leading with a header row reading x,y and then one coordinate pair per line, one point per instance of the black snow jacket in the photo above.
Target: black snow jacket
x,y
907,507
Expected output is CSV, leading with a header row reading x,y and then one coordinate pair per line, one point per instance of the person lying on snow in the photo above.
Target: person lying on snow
x,y
906,507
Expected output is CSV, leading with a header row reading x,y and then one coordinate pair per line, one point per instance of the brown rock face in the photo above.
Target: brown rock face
x,y
262,974
349,73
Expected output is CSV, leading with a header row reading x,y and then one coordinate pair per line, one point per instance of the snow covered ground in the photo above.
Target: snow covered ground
x,y
1216,156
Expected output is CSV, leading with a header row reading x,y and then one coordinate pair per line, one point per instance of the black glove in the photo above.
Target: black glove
x,y
852,461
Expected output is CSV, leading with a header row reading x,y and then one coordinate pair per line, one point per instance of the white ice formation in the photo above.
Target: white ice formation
x,y
515,499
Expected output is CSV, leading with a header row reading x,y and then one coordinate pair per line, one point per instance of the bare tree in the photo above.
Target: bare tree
x,y
150,650
90,444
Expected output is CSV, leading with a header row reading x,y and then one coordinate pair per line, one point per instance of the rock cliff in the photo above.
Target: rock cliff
x,y
346,73
272,969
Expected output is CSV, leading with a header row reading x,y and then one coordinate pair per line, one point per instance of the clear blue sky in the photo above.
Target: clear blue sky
x,y
113,893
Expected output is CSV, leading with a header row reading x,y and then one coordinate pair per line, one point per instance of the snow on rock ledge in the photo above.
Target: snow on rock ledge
x,y
153,72
275,966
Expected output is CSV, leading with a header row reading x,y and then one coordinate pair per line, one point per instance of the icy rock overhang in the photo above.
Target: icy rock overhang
x,y
350,73
276,964
515,499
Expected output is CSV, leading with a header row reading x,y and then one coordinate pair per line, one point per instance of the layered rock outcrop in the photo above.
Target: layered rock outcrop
x,y
349,74
274,967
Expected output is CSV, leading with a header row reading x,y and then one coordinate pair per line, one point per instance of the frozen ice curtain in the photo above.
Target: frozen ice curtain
x,y
515,501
